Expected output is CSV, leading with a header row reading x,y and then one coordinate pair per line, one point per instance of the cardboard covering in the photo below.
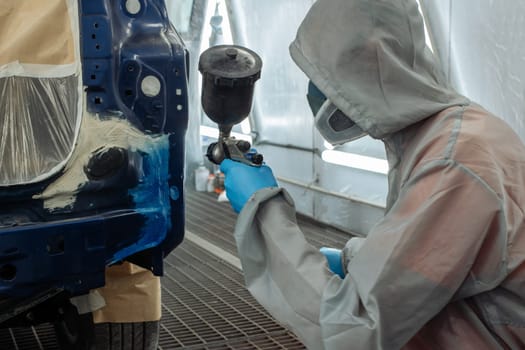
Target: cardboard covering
x,y
45,38
132,294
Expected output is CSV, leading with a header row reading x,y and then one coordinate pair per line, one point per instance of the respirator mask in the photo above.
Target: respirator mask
x,y
335,126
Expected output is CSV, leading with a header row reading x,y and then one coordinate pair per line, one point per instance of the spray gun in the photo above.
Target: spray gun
x,y
229,73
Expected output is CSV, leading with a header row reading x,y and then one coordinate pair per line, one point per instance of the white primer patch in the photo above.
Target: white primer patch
x,y
94,133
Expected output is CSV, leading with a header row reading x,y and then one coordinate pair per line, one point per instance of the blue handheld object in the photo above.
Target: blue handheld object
x,y
335,260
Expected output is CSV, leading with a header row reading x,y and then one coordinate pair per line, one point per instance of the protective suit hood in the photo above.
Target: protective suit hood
x,y
370,59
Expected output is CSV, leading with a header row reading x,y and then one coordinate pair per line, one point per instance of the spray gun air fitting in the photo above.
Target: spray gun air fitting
x,y
229,73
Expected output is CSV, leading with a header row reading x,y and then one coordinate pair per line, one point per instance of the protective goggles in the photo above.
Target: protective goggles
x,y
335,126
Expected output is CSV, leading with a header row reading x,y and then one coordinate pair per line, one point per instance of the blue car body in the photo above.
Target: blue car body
x,y
135,213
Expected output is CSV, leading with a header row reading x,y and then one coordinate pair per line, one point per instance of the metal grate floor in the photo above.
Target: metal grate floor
x,y
41,337
205,306
204,302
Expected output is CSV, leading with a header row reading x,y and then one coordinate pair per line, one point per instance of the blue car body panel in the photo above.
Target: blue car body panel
x,y
42,249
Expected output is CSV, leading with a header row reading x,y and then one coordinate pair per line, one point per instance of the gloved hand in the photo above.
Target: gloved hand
x,y
335,260
242,181
338,260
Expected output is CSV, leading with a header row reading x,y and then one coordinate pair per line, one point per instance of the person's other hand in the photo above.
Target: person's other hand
x,y
338,260
335,260
242,181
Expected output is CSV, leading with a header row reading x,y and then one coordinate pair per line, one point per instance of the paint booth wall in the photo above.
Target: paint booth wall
x,y
481,45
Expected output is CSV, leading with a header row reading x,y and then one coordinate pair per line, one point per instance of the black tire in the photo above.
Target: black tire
x,y
78,332
127,336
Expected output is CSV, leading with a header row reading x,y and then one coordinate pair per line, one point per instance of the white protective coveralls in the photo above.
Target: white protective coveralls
x,y
444,269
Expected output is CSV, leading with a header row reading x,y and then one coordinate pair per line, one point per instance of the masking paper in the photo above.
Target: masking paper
x,y
36,32
132,294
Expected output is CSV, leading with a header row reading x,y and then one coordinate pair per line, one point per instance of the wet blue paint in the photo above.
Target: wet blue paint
x,y
152,198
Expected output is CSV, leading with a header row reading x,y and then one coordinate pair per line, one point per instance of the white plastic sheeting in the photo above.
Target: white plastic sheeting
x,y
268,28
188,17
481,47
38,120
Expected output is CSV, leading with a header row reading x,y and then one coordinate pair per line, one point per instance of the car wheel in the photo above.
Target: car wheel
x,y
126,336
78,332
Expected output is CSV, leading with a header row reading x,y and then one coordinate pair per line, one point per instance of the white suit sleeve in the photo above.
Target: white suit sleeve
x,y
282,271
409,268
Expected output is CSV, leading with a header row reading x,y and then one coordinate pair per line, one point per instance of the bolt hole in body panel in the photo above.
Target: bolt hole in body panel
x,y
55,245
7,272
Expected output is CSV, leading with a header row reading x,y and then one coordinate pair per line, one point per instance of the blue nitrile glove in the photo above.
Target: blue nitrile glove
x,y
335,260
242,181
